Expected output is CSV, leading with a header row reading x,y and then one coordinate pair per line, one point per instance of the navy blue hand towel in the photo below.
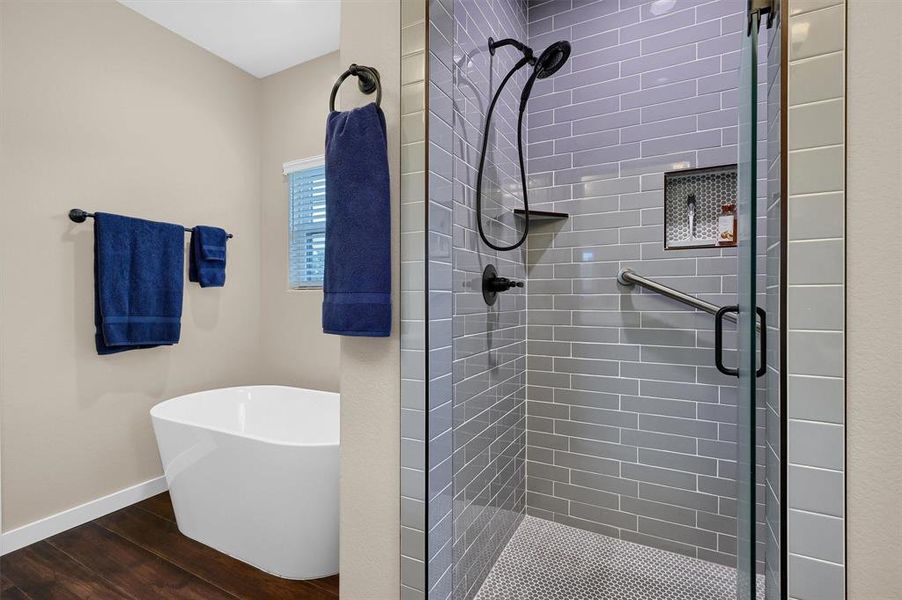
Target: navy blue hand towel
x,y
357,283
207,263
138,281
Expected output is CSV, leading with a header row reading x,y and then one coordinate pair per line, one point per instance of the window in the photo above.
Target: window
x,y
306,222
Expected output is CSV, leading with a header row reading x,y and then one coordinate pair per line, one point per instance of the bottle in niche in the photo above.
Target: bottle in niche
x,y
726,225
690,211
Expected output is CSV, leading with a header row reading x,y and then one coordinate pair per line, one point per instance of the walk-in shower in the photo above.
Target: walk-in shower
x,y
580,440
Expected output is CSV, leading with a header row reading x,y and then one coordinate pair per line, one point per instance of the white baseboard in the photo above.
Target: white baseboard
x,y
78,515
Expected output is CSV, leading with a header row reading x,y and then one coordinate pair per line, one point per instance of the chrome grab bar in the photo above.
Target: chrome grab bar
x,y
628,277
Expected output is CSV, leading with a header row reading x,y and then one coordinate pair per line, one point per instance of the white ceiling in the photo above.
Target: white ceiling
x,y
261,37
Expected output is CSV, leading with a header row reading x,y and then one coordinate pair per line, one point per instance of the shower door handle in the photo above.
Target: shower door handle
x,y
718,340
763,345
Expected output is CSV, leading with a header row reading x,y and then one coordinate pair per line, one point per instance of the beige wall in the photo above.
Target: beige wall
x,y
370,367
103,109
874,317
295,104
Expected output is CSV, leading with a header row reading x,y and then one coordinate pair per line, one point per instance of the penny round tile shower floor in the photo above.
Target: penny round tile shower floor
x,y
549,561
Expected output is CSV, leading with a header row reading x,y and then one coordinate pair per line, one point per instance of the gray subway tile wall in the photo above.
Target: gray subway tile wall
x,y
439,275
815,361
413,304
487,362
631,431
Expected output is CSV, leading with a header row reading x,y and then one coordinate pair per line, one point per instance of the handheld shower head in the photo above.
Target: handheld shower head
x,y
552,59
548,63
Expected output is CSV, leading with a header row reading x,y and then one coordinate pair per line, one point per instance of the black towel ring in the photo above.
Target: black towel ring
x,y
367,81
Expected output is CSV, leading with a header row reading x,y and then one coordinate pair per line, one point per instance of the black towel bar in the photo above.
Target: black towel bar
x,y
367,81
77,215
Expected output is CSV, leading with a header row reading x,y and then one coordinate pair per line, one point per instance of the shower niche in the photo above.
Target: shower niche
x,y
697,208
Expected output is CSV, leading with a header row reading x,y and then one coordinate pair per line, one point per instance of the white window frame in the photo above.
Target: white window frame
x,y
288,168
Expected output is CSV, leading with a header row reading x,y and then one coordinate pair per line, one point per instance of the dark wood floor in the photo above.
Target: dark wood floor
x,y
138,552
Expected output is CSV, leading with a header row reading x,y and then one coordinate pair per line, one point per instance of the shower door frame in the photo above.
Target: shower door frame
x,y
769,13
781,20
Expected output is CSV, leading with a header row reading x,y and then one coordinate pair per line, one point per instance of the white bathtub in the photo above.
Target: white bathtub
x,y
253,473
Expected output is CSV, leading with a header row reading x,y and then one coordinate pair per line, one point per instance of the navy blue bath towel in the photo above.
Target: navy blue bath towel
x,y
357,281
207,263
138,281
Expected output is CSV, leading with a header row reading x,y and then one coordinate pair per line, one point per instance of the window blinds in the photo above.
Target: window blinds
x,y
307,227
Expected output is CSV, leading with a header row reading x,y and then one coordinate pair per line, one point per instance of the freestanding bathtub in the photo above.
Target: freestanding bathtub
x,y
253,473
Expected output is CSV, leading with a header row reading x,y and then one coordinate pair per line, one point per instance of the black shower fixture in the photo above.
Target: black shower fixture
x,y
492,284
526,50
552,59
547,64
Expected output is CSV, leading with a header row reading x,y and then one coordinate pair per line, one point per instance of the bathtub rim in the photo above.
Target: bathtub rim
x,y
247,436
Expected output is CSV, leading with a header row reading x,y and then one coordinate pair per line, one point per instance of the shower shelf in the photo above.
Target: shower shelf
x,y
542,215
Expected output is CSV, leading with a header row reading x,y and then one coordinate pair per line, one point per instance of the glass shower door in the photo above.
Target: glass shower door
x,y
749,313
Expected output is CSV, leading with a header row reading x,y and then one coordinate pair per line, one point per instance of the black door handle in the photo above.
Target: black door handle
x,y
718,341
763,347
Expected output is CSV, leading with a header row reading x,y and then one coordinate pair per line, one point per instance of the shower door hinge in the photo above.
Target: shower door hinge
x,y
761,8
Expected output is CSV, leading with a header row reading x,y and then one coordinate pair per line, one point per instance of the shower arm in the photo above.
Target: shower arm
x,y
526,50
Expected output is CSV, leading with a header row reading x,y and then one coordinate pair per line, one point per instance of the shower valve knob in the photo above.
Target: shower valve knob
x,y
492,284
502,284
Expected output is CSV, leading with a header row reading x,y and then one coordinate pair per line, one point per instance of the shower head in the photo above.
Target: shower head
x,y
548,63
552,59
